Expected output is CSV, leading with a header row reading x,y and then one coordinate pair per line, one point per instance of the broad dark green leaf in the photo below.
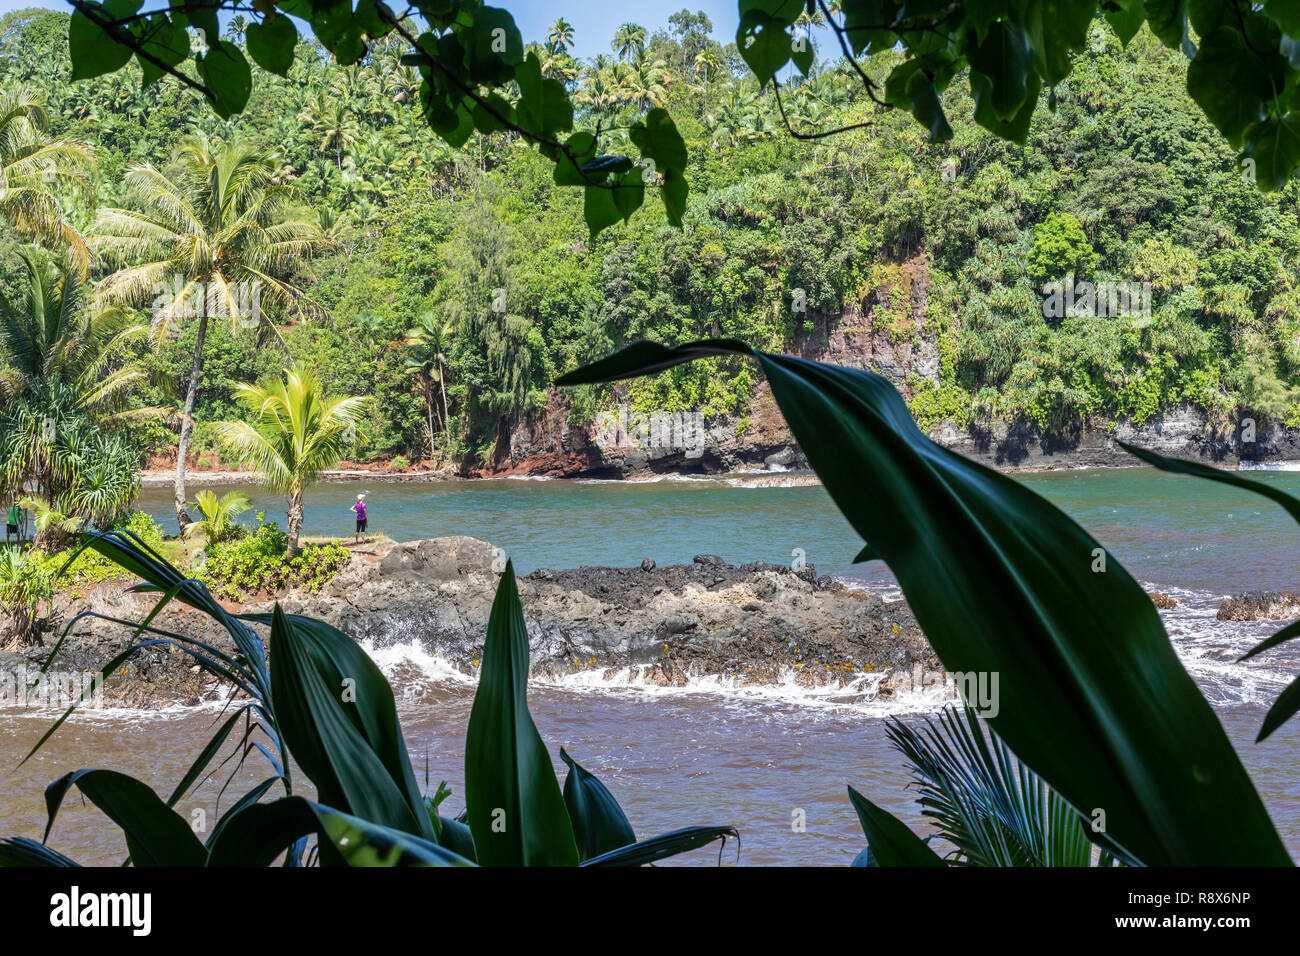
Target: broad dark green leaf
x,y
599,823
339,720
891,842
1274,147
20,851
156,835
163,41
599,209
1091,694
763,41
663,846
1231,83
226,74
271,43
259,833
516,811
1003,57
1126,19
92,50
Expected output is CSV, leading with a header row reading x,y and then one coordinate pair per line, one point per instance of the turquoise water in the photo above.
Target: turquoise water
x,y
1170,531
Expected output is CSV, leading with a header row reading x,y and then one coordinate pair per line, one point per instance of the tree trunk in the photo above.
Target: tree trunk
x,y
429,400
187,426
442,384
295,524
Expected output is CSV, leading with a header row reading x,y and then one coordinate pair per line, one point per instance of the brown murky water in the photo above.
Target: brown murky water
x,y
672,760
711,754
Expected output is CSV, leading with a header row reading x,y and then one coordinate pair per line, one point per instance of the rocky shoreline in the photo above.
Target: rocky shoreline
x,y
770,456
751,624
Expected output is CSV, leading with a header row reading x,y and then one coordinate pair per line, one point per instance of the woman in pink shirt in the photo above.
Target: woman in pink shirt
x,y
360,509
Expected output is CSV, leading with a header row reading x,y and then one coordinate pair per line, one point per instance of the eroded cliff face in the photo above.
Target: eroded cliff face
x,y
888,332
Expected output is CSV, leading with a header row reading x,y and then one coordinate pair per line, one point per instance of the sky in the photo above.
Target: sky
x,y
594,21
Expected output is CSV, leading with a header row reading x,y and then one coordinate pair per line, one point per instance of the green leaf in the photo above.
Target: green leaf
x,y
925,106
1168,21
629,193
225,73
582,147
338,719
1092,696
1126,19
1274,147
1003,57
599,208
259,833
155,834
1283,709
1017,128
764,43
163,41
657,138
1287,15
92,50
516,812
663,846
271,43
891,842
20,851
599,824
493,46
1054,28
1288,702
1232,84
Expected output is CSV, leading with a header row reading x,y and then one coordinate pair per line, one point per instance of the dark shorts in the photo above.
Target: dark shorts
x,y
11,529
361,524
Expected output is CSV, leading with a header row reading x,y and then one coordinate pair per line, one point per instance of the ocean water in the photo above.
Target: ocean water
x,y
712,752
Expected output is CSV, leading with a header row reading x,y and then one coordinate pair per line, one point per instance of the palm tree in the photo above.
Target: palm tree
x,y
708,62
629,41
991,808
55,333
431,337
219,515
32,168
298,432
218,229
560,36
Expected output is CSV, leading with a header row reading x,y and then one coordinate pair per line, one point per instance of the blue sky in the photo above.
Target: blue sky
x,y
594,21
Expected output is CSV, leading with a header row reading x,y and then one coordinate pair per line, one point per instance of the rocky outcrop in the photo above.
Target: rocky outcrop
x,y
755,623
1261,606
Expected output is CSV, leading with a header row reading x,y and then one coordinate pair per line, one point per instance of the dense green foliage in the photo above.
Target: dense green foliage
x,y
1125,181
244,568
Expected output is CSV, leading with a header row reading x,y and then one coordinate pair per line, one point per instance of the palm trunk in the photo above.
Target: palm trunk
x,y
295,523
187,426
442,384
428,406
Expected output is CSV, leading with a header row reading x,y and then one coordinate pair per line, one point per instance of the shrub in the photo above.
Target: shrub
x,y
25,583
90,567
399,462
256,564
